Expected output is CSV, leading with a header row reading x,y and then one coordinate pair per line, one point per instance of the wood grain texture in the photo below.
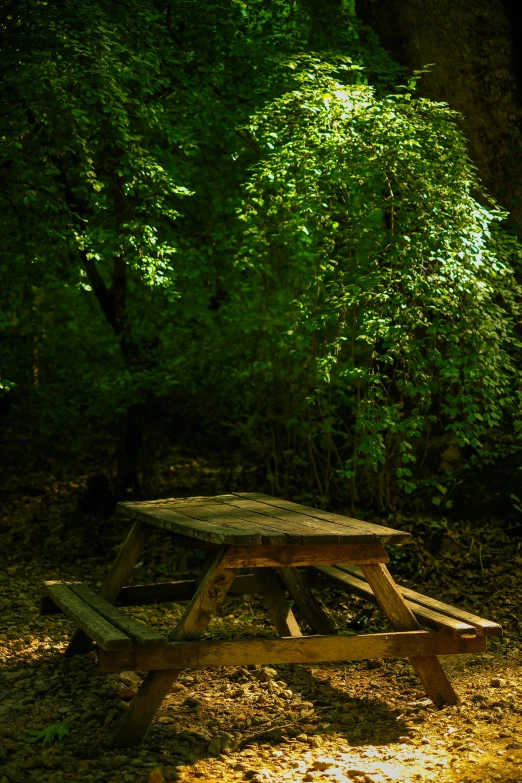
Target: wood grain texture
x,y
428,667
238,519
125,561
277,606
166,515
482,626
304,554
304,649
308,604
358,586
209,594
298,527
356,525
99,629
139,633
251,519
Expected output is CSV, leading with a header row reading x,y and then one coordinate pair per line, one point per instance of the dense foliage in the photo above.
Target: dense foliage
x,y
234,216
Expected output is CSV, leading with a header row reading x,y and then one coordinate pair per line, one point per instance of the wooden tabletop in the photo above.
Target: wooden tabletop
x,y
251,519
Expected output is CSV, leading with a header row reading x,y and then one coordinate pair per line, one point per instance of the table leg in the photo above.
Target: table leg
x,y
276,603
428,667
125,561
210,593
308,604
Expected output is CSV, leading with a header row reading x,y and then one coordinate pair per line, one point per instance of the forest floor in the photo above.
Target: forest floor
x,y
365,722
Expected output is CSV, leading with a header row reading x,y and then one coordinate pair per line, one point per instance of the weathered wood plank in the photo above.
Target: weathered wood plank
x,y
428,667
123,564
125,560
235,518
186,542
482,626
310,607
47,605
275,600
298,527
383,533
304,649
163,514
140,634
305,554
192,625
357,585
97,628
163,592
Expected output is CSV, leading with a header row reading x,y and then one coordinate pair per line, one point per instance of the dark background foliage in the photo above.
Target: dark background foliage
x,y
251,231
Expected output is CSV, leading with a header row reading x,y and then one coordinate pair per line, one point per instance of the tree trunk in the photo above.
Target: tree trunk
x,y
477,70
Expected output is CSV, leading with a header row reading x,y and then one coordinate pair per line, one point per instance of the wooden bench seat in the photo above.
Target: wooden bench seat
x,y
106,625
429,612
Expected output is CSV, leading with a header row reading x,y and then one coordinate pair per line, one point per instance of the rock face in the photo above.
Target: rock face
x,y
477,70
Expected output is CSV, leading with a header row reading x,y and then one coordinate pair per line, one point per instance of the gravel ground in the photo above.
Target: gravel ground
x,y
365,721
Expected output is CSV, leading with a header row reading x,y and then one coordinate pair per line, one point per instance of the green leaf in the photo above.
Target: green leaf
x,y
52,733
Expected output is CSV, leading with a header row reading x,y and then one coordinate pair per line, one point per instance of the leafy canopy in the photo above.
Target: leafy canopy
x,y
235,210
370,269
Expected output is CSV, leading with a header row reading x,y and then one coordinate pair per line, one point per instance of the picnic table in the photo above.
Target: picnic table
x,y
267,545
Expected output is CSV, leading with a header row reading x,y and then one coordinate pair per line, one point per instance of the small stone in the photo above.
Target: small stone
x,y
498,682
31,763
258,776
47,762
214,746
308,777
191,702
156,776
322,764
126,679
302,738
117,761
228,743
127,694
265,674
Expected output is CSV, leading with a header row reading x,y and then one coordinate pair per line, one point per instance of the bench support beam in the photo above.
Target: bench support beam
x,y
276,604
428,667
125,561
295,581
198,614
296,649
